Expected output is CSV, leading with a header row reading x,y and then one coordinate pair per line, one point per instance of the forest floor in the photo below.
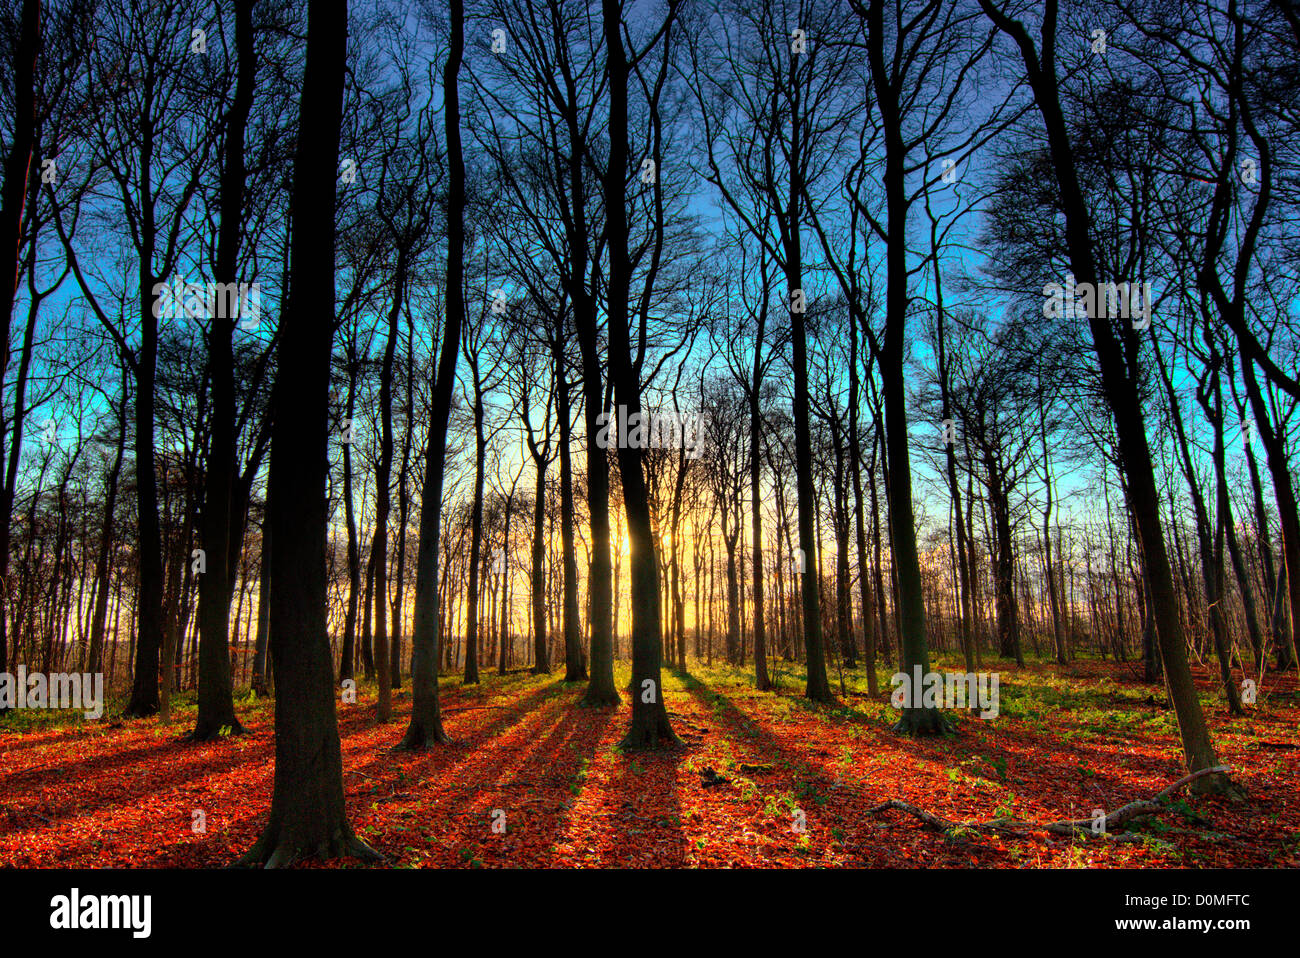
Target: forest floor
x,y
754,767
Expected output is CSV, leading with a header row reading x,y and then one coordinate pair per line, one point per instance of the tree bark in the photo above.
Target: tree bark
x,y
910,609
818,686
1122,397
216,696
575,669
426,716
650,727
13,208
307,808
383,475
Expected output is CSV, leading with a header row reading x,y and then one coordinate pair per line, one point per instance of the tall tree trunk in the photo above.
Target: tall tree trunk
x,y
537,583
383,475
1053,591
818,685
600,596
348,656
216,696
1288,579
1122,397
1239,568
475,542
840,517
965,621
503,620
149,623
1008,609
910,609
729,537
856,468
403,512
426,715
261,643
761,680
13,206
650,726
94,657
1210,554
575,669
307,809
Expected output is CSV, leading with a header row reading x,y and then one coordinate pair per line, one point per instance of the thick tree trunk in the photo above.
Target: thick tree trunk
x,y
308,816
650,727
13,205
149,623
818,686
910,608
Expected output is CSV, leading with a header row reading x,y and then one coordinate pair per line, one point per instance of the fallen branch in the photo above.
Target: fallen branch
x,y
1070,827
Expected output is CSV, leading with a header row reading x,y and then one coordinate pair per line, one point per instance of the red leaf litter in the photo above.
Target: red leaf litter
x,y
763,780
